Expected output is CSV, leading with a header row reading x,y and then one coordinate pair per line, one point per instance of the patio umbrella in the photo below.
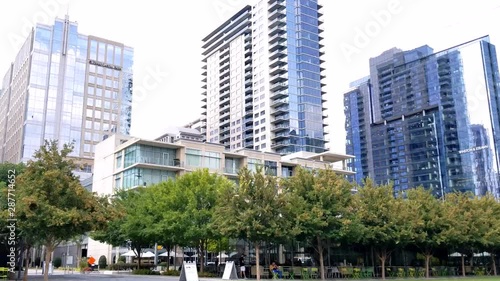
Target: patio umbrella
x,y
456,254
223,255
483,254
147,254
172,254
129,254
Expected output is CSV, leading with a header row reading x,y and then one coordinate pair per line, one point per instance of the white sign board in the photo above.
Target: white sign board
x,y
230,271
69,260
189,272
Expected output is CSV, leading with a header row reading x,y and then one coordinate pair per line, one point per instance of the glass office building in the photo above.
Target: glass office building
x,y
433,119
263,79
67,86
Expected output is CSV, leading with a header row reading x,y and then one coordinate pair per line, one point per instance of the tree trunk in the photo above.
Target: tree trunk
x,y
138,249
321,262
463,265
202,255
382,255
27,262
427,262
79,253
257,257
493,263
48,253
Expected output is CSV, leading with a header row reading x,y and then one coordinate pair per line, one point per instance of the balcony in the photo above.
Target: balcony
x,y
280,136
280,118
279,61
280,21
169,164
278,54
278,78
280,127
277,87
277,29
280,94
231,170
279,12
280,110
280,144
280,102
278,69
279,44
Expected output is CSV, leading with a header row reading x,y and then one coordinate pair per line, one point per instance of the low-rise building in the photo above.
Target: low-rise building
x,y
124,162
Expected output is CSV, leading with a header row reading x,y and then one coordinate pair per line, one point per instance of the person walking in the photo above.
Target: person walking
x,y
243,274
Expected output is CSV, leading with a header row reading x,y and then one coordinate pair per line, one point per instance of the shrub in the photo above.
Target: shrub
x,y
122,259
171,273
145,272
57,262
103,261
83,263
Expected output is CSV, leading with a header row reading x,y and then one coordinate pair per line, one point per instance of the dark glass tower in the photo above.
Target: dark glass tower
x,y
434,119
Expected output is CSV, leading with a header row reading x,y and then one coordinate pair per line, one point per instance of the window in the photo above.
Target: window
x,y
118,182
254,163
193,157
118,161
212,160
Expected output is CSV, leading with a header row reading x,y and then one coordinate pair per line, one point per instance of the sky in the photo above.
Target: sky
x,y
166,36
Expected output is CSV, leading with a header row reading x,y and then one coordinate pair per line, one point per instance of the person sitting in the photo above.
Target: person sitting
x,y
276,271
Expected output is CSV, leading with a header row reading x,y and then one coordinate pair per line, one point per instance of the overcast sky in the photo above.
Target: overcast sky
x,y
166,37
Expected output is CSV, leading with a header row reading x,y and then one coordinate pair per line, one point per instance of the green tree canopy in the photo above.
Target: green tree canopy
x,y
428,222
383,220
252,210
319,202
52,206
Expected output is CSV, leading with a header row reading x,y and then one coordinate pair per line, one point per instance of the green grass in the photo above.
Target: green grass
x,y
455,278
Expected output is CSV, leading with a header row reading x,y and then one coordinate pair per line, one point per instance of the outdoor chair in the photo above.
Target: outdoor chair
x,y
368,272
314,272
4,273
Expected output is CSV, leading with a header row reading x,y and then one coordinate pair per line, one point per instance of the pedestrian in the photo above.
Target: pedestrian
x,y
276,270
243,274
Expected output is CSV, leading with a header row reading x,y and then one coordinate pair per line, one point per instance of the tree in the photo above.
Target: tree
x,y
487,221
319,204
134,225
427,222
167,227
252,210
459,232
52,206
199,190
382,220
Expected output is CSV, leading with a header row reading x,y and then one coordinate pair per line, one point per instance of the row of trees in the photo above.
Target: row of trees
x,y
198,208
47,203
313,207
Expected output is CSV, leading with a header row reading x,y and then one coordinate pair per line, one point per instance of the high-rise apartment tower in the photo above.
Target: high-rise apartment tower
x,y
262,78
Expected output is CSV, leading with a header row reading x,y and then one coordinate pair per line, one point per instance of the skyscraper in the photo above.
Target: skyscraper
x,y
67,86
262,79
428,119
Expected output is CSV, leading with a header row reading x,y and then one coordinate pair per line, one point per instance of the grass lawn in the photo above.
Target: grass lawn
x,y
467,278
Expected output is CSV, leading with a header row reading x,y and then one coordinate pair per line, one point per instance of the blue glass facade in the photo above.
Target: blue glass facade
x,y
435,119
79,89
305,114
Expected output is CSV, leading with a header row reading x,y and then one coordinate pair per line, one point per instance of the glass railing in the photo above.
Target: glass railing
x,y
161,161
231,170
